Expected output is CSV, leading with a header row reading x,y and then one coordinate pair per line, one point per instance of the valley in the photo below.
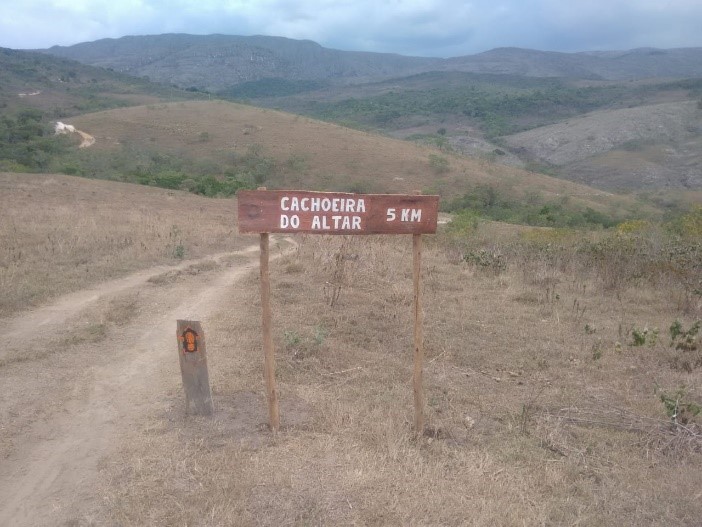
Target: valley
x,y
562,290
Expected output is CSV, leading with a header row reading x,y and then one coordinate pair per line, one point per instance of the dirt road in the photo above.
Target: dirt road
x,y
71,390
87,139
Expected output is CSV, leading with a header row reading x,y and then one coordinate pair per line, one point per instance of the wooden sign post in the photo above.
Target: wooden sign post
x,y
417,384
281,211
192,354
268,354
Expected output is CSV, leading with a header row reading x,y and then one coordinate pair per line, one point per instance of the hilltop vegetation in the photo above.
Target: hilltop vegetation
x,y
527,122
498,106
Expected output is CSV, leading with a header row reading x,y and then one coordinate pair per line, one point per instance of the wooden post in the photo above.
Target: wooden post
x,y
269,358
418,335
192,354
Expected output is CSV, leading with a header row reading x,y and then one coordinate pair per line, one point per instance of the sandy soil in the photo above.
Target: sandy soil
x,y
76,394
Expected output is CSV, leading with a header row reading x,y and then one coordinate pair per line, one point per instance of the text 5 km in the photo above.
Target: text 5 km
x,y
406,215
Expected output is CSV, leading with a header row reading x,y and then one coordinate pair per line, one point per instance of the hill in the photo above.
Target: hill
x,y
217,62
632,64
61,87
514,120
231,142
474,105
163,145
650,146
36,90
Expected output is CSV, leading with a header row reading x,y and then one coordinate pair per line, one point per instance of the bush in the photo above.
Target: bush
x,y
489,202
439,163
688,225
462,225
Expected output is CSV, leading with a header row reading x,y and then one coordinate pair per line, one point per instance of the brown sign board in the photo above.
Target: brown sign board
x,y
295,211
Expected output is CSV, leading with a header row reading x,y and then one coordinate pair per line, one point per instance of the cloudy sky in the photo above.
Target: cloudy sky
x,y
440,28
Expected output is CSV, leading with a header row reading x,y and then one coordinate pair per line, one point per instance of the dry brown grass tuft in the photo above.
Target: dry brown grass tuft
x,y
540,409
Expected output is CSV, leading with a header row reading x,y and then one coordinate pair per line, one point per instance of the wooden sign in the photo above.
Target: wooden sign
x,y
291,211
193,368
283,211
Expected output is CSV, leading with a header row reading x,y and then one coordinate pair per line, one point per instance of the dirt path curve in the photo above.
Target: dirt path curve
x,y
88,140
71,404
47,319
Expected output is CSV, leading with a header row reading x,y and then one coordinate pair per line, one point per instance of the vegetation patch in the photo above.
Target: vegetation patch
x,y
489,202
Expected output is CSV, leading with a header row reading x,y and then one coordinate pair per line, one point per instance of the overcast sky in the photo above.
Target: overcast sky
x,y
440,28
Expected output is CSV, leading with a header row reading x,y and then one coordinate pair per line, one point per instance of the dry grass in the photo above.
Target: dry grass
x,y
319,155
52,241
532,419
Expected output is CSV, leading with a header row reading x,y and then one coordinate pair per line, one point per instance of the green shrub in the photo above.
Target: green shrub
x,y
685,340
462,224
438,163
490,202
678,405
489,260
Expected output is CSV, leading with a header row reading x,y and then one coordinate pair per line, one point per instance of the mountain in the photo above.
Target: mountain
x,y
634,64
217,62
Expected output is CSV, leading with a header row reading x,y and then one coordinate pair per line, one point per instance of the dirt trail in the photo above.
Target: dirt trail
x,y
47,319
88,140
61,128
71,404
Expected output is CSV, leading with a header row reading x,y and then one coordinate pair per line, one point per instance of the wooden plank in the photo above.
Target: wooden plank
x,y
192,354
283,211
268,352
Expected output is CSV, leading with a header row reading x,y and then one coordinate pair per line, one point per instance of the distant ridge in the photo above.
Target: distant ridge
x,y
216,62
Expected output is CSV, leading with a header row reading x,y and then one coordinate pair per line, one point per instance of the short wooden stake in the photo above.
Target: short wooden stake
x,y
418,336
192,353
268,353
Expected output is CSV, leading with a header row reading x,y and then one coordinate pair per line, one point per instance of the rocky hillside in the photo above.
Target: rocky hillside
x,y
215,62
646,147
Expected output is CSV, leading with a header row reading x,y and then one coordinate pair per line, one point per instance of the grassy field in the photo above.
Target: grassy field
x,y
563,369
60,233
548,396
